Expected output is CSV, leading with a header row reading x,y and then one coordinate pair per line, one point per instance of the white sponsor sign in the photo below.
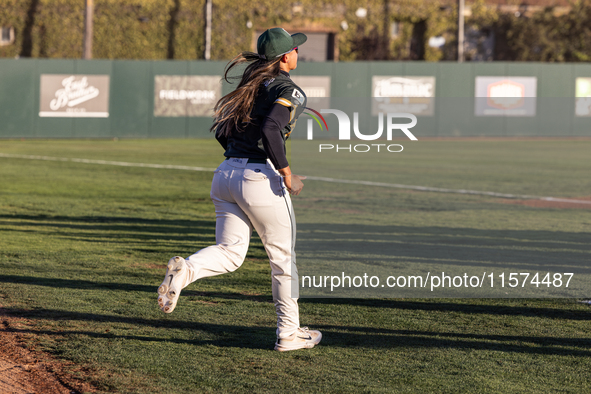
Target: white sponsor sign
x,y
186,95
81,96
316,88
583,97
505,96
414,95
194,96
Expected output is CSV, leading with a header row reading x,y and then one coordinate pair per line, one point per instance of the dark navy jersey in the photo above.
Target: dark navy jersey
x,y
264,137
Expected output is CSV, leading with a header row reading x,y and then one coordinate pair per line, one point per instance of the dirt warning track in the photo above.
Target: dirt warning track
x,y
24,370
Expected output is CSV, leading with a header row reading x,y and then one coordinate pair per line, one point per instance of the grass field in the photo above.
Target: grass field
x,y
83,248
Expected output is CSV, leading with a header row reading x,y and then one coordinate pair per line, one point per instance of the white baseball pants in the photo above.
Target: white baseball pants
x,y
247,196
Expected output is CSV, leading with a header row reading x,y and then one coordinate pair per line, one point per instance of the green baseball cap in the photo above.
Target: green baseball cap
x,y
276,42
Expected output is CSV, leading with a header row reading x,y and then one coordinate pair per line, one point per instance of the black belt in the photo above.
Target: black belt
x,y
252,161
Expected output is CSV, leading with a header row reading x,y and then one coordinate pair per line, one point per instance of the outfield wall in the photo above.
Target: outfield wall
x,y
41,98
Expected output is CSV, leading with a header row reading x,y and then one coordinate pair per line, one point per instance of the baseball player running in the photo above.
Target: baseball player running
x,y
251,188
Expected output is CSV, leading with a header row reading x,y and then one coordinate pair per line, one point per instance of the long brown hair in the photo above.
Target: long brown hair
x,y
235,107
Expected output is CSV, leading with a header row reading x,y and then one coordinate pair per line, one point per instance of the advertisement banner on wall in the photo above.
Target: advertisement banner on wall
x,y
505,96
74,96
414,95
186,95
317,90
583,97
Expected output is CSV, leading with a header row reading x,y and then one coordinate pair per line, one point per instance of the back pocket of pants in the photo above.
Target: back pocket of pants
x,y
256,189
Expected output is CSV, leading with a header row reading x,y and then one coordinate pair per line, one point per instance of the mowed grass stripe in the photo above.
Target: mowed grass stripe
x,y
313,178
106,162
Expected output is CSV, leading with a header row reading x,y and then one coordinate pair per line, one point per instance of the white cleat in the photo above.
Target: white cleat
x,y
303,338
174,281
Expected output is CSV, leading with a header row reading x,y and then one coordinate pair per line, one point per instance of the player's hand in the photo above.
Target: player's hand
x,y
294,184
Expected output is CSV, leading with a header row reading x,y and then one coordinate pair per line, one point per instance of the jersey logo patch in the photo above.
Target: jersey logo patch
x,y
298,96
267,83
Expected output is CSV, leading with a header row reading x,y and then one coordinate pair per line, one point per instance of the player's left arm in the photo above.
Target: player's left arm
x,y
273,143
277,118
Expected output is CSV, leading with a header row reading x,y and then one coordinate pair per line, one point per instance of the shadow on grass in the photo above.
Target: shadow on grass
x,y
380,246
436,305
76,283
126,287
367,337
250,337
114,229
260,337
388,246
468,309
